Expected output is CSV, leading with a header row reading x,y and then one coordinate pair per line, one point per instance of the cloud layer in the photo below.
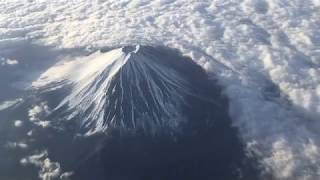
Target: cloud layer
x,y
265,52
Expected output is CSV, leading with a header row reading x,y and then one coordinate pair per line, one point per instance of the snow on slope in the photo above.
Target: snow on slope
x,y
265,52
127,88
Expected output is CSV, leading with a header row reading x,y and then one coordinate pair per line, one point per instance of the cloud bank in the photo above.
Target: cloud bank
x,y
265,52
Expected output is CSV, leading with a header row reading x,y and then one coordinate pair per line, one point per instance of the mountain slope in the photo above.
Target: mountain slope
x,y
133,89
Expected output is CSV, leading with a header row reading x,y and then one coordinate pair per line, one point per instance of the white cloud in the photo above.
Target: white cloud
x,y
14,145
66,175
49,170
10,103
30,133
37,113
18,123
8,62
